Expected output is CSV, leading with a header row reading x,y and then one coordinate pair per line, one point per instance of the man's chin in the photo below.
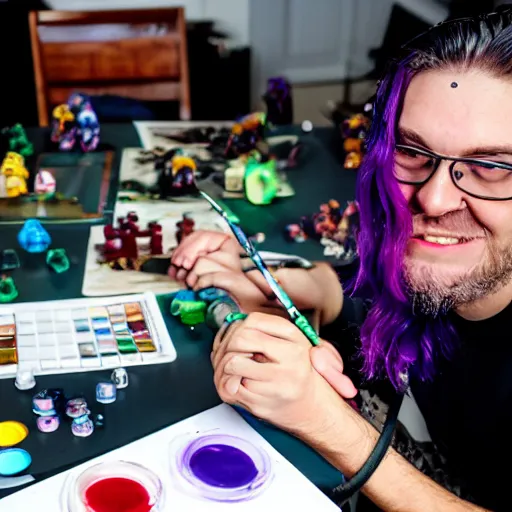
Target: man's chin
x,y
424,277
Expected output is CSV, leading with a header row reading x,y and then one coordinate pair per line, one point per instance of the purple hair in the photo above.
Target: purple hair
x,y
394,337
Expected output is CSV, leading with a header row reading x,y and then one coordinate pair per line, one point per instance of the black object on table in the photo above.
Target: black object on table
x,y
162,394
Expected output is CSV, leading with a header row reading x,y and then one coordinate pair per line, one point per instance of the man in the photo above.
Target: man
x,y
435,247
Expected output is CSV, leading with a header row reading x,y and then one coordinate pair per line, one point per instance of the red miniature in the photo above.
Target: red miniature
x,y
155,244
121,249
185,227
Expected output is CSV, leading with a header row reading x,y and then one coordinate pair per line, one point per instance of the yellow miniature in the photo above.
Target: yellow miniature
x,y
13,168
180,162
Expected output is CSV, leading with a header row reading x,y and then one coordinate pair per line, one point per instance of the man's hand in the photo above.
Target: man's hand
x,y
264,364
212,259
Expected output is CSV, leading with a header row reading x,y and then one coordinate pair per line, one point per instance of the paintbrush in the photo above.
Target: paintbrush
x,y
295,315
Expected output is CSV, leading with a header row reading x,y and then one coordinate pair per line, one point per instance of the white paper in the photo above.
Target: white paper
x,y
290,489
147,131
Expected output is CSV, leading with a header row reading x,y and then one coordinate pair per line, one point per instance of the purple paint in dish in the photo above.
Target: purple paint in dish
x,y
221,465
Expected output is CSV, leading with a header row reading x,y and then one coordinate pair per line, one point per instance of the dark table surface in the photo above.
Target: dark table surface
x,y
160,395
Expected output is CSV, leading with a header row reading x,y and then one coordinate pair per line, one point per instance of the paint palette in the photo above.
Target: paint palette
x,y
83,334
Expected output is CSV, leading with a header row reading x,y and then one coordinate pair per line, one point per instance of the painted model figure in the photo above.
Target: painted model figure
x,y
121,250
75,125
184,227
15,173
278,99
354,131
246,135
177,177
18,141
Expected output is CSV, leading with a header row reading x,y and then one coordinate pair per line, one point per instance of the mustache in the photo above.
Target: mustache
x,y
460,222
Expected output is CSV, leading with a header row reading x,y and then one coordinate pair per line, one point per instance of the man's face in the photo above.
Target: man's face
x,y
461,248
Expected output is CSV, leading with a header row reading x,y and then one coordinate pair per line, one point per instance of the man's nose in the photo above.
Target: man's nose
x,y
439,195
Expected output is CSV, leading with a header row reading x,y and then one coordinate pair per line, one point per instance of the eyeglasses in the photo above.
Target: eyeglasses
x,y
482,179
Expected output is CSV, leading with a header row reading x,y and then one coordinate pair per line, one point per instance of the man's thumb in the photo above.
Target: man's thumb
x,y
331,370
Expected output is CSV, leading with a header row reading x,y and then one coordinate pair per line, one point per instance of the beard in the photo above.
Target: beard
x,y
432,293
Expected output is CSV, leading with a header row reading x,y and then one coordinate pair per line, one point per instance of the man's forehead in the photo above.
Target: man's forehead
x,y
450,119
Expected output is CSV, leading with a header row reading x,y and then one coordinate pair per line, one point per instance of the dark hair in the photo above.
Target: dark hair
x,y
395,337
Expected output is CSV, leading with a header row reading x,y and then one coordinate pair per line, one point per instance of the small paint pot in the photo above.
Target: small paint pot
x,y
120,378
221,467
48,424
82,426
42,404
119,485
106,392
76,407
25,379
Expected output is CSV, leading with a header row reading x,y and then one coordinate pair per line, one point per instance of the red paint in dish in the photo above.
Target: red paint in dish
x,y
117,495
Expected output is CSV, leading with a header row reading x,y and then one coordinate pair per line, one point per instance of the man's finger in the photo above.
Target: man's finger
x,y
214,262
252,342
246,367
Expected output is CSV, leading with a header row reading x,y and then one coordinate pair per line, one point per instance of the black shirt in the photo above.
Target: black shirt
x,y
468,405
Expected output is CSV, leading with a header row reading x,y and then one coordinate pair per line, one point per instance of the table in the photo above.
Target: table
x,y
160,395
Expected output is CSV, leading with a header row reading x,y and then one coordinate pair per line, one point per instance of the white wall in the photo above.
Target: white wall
x,y
230,15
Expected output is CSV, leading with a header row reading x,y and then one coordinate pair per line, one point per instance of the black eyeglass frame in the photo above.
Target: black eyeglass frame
x,y
437,162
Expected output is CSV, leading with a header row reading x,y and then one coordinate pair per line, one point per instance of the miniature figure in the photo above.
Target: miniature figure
x,y
183,170
155,243
33,237
62,126
246,135
185,227
333,227
354,132
121,250
261,181
18,141
44,183
13,168
190,309
57,260
8,290
9,260
278,99
75,123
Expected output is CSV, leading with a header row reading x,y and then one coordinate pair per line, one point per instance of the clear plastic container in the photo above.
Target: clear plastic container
x,y
220,467
127,483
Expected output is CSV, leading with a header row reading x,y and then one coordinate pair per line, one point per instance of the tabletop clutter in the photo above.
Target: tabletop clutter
x,y
245,160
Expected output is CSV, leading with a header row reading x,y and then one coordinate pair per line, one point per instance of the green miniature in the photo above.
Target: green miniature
x,y
8,291
18,140
261,181
57,260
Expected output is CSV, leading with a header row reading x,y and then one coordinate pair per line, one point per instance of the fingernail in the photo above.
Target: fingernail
x,y
233,385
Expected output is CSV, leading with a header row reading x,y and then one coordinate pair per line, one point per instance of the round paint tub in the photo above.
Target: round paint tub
x,y
221,468
116,486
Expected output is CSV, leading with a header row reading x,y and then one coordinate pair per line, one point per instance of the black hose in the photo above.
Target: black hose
x,y
344,491
216,314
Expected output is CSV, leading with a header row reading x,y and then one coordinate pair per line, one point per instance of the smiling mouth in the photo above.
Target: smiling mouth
x,y
444,239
